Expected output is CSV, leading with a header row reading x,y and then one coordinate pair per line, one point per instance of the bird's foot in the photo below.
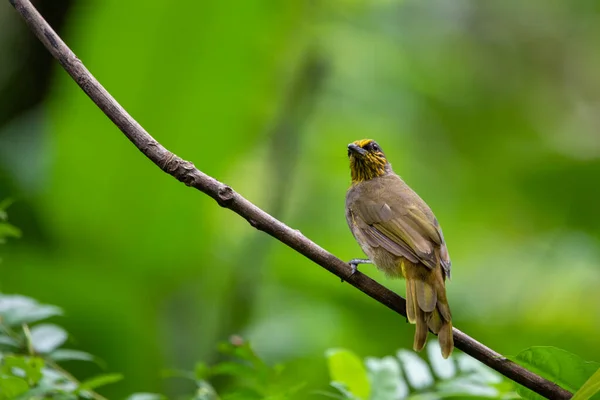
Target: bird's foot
x,y
354,265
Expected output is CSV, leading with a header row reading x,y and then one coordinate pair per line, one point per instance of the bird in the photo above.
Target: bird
x,y
399,233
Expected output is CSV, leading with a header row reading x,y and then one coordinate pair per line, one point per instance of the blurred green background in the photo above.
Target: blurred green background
x,y
487,109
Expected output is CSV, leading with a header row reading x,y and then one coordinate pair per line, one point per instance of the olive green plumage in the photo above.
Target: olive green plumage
x,y
402,237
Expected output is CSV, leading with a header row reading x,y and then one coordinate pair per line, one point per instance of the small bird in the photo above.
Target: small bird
x,y
401,236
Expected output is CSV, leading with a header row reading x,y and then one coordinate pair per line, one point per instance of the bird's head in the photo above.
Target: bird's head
x,y
367,160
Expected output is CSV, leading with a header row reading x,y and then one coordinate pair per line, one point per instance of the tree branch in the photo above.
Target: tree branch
x,y
187,173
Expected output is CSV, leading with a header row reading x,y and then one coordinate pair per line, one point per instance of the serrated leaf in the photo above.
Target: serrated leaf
x,y
11,387
559,366
146,396
589,388
98,381
68,355
47,337
346,368
16,310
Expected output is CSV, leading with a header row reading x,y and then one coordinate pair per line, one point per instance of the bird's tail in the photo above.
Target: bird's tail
x,y
427,306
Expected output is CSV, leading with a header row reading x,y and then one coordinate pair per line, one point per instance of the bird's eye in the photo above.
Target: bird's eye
x,y
376,148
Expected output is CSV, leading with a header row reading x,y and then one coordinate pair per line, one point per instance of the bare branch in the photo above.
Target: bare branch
x,y
187,173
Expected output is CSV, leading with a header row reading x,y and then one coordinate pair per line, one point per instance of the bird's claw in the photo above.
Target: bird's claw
x,y
354,265
354,268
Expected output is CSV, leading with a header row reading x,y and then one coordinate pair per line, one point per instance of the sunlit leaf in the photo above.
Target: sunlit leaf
x,y
347,369
47,337
565,369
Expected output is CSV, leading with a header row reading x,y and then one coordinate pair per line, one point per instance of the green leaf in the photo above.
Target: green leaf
x,y
347,369
559,366
146,396
343,389
8,230
47,337
31,367
243,351
233,369
590,388
100,380
16,310
4,204
46,391
202,371
177,373
11,387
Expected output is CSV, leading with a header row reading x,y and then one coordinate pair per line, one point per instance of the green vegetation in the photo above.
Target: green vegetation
x,y
486,108
31,352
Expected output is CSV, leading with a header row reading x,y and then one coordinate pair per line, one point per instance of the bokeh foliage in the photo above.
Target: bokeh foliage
x,y
486,108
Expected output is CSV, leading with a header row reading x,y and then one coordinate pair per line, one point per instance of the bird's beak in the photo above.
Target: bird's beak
x,y
353,148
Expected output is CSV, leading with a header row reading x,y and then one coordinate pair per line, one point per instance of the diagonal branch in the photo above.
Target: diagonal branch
x,y
187,173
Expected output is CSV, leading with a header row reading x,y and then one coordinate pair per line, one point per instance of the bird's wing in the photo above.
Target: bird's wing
x,y
405,232
431,227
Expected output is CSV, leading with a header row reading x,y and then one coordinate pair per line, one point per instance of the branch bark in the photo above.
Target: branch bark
x,y
225,196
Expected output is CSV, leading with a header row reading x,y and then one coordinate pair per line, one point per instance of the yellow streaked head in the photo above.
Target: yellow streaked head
x,y
367,160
